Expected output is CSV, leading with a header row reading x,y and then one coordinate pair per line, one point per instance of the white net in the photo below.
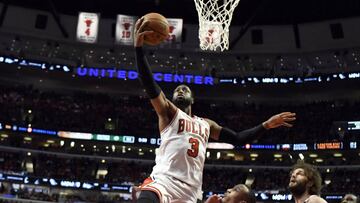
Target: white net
x,y
214,22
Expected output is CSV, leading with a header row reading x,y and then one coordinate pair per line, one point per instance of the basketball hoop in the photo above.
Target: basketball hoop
x,y
214,22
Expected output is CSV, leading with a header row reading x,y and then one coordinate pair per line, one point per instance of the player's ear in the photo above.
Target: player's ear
x,y
192,97
310,184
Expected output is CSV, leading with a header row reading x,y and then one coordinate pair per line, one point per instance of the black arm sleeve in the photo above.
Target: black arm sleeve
x,y
146,77
238,138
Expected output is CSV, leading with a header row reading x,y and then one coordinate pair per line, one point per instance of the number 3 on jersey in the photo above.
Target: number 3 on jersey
x,y
193,152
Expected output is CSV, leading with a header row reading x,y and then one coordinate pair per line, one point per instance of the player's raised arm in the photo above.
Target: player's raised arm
x,y
163,107
229,136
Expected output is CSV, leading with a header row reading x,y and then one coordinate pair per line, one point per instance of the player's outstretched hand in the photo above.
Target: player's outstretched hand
x,y
139,32
214,199
281,119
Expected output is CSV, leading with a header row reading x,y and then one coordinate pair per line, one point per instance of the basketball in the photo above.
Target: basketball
x,y
157,23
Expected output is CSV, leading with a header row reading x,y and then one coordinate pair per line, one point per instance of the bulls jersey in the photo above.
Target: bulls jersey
x,y
181,154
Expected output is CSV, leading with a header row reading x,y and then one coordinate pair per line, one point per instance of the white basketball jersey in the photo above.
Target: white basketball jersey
x,y
181,154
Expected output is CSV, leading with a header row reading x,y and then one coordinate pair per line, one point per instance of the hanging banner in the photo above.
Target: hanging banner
x,y
87,28
175,31
124,29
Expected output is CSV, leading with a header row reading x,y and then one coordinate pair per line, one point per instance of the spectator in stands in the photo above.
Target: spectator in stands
x,y
305,183
349,198
238,194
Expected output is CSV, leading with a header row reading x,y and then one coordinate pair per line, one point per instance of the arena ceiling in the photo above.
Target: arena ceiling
x,y
261,12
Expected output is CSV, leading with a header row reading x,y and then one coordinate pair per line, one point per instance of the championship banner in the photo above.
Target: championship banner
x,y
175,31
124,29
87,28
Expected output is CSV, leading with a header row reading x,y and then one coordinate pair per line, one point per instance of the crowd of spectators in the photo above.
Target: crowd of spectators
x,y
133,115
146,153
216,178
79,112
11,162
34,195
26,194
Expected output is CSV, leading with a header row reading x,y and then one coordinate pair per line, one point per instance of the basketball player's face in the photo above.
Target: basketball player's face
x,y
349,198
234,195
298,182
182,96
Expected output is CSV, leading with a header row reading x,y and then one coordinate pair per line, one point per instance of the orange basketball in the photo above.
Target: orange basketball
x,y
157,23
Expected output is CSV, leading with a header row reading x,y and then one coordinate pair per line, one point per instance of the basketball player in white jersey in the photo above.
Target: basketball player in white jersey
x,y
305,184
177,175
